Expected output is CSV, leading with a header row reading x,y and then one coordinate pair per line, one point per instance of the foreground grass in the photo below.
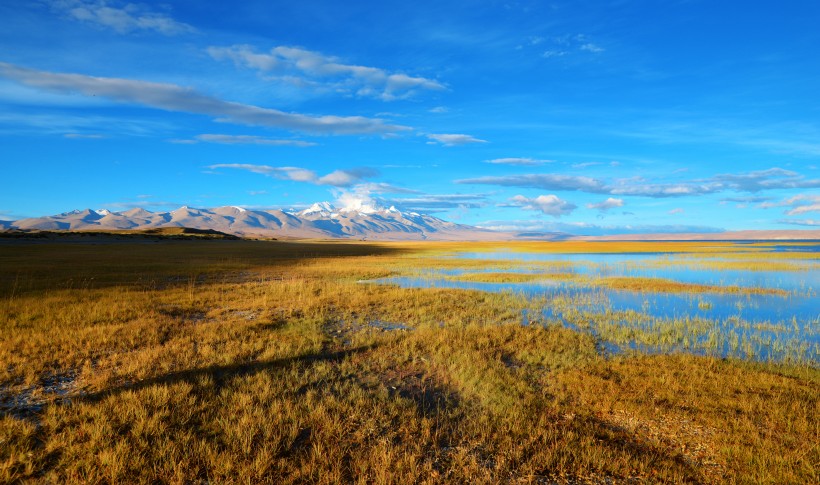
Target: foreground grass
x,y
238,361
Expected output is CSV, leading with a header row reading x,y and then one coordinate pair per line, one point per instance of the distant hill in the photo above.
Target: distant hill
x,y
321,220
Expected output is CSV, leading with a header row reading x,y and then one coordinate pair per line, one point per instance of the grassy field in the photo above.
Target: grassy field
x,y
268,362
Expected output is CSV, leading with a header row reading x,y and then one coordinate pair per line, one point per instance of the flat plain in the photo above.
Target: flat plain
x,y
154,359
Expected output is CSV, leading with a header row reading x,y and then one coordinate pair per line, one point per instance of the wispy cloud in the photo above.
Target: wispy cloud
x,y
801,222
677,210
440,202
590,47
565,45
609,203
548,204
774,178
171,97
324,70
746,200
542,181
120,17
590,229
800,204
449,140
518,161
243,140
337,178
84,136
385,188
62,123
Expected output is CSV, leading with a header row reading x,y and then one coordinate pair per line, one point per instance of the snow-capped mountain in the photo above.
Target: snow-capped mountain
x,y
321,220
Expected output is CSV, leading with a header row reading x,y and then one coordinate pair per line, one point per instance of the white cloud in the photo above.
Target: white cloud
x,y
542,181
800,204
586,164
449,140
774,178
588,229
440,202
554,53
345,178
548,204
609,203
801,222
321,70
121,17
803,209
244,140
590,47
677,210
337,178
566,45
171,97
385,188
518,161
746,200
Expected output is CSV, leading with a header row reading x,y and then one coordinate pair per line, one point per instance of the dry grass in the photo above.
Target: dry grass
x,y
240,361
659,285
503,277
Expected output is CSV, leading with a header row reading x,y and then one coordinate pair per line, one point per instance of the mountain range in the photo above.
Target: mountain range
x,y
321,220
324,221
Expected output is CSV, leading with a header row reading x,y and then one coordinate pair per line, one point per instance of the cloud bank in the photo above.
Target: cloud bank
x,y
756,181
171,97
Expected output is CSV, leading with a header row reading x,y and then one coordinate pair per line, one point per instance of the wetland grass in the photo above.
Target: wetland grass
x,y
243,361
660,285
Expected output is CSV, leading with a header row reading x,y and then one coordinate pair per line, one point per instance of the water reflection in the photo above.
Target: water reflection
x,y
760,326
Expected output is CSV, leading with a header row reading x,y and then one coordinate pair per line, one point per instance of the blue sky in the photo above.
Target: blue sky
x,y
589,117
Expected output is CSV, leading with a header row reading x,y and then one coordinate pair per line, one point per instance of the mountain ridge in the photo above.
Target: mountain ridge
x,y
321,220
363,221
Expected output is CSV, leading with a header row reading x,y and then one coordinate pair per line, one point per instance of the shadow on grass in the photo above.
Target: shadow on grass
x,y
430,398
31,266
220,374
19,406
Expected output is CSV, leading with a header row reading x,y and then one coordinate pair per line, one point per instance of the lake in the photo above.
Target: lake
x,y
752,301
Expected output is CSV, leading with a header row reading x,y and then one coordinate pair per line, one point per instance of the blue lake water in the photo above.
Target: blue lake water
x,y
761,326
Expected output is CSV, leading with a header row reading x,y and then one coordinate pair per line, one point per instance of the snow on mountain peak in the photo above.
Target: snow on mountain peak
x,y
318,208
103,212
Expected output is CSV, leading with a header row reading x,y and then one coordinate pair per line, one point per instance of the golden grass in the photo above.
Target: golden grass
x,y
503,277
242,361
660,285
